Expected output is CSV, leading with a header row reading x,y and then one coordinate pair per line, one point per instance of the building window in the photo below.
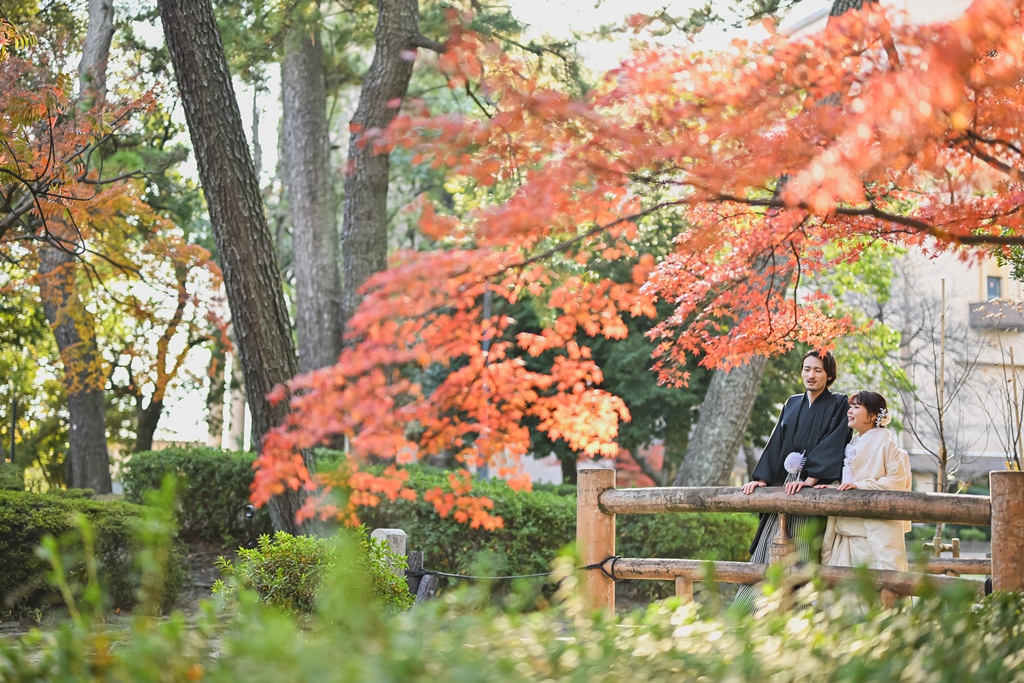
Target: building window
x,y
995,287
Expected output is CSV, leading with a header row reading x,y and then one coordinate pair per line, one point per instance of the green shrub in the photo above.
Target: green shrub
x,y
70,493
926,532
289,572
26,518
538,524
973,534
213,491
12,477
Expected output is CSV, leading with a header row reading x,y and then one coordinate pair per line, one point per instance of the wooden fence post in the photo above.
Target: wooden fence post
x,y
684,589
1007,489
396,540
595,536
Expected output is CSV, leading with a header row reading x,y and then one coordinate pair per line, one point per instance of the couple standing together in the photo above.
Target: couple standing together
x,y
811,445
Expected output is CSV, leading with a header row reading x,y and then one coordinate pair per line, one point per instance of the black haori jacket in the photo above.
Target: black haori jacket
x,y
819,431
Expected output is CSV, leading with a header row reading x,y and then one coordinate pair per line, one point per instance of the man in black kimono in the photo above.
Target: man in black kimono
x,y
813,424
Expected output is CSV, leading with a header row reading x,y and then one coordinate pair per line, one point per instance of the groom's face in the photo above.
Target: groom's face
x,y
813,374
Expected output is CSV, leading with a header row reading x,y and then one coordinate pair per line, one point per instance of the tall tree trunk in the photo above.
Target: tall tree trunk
x,y
364,238
306,151
73,325
92,70
723,419
84,378
251,276
146,419
726,409
568,462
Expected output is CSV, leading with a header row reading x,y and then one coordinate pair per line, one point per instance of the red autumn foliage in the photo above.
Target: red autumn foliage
x,y
906,134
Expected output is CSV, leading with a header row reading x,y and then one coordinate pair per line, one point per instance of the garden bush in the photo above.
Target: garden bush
x,y
926,532
540,523
213,491
12,477
289,572
26,518
537,524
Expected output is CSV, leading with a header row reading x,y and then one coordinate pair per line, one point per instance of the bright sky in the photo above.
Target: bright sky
x,y
185,419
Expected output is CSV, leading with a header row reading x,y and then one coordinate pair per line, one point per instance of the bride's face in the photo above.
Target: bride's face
x,y
858,418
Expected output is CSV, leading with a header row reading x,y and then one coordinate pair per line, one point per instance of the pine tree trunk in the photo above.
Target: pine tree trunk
x,y
246,248
72,324
364,237
306,151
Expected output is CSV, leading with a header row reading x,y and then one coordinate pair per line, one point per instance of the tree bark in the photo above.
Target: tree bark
x,y
246,248
723,419
92,70
364,240
146,420
569,472
73,326
306,150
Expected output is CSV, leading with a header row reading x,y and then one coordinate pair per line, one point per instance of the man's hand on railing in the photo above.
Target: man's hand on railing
x,y
847,487
749,487
794,486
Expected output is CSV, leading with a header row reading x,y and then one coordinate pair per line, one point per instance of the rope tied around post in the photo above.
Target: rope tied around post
x,y
610,573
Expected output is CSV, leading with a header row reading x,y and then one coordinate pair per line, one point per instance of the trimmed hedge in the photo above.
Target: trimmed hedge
x,y
540,523
537,524
213,489
12,477
26,518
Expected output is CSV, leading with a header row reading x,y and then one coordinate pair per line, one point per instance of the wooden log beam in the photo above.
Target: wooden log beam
x,y
903,583
941,565
902,505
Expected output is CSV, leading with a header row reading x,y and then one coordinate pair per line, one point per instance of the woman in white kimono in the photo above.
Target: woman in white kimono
x,y
873,462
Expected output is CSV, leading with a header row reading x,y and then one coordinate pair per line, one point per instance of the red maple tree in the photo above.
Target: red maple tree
x,y
769,151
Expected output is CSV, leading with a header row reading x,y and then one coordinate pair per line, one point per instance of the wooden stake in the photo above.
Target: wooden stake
x,y
782,545
397,541
1007,530
595,537
684,589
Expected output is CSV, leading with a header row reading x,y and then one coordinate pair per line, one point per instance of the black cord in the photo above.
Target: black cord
x,y
597,565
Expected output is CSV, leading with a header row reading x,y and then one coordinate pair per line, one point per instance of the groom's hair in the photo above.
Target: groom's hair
x,y
872,401
828,361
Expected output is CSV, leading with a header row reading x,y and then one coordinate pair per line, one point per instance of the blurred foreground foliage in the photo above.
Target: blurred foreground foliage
x,y
470,636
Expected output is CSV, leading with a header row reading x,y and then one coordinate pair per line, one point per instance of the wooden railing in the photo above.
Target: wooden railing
x,y
598,502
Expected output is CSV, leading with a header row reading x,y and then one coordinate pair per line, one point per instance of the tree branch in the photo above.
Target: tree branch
x,y
873,211
420,40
